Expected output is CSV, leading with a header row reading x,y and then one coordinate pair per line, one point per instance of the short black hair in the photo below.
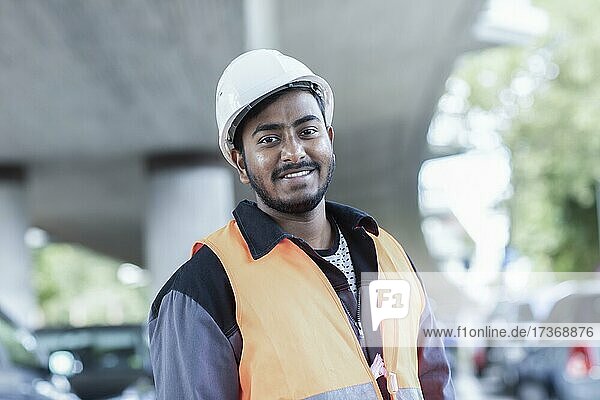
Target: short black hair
x,y
262,105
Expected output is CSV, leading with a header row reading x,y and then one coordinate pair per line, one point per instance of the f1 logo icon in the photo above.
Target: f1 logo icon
x,y
389,299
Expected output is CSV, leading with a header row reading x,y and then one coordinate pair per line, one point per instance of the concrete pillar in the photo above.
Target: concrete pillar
x,y
16,293
262,24
189,197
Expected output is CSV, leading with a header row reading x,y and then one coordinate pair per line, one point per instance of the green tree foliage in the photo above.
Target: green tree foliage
x,y
77,286
554,141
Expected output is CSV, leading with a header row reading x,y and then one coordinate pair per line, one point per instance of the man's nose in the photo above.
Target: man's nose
x,y
292,150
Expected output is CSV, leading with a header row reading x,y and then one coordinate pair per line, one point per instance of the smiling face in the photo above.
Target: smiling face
x,y
288,153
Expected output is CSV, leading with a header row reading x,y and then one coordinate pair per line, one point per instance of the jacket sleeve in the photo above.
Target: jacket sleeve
x,y
434,370
191,357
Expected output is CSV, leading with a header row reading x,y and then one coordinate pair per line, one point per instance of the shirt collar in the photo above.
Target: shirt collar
x,y
262,233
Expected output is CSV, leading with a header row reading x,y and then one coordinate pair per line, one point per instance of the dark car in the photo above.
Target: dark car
x,y
497,364
571,372
23,375
114,360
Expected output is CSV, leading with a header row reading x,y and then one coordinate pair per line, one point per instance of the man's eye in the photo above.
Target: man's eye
x,y
268,139
308,132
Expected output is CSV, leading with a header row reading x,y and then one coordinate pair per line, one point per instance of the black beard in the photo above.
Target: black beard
x,y
298,206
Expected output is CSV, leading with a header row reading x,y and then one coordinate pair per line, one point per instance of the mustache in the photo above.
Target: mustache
x,y
288,167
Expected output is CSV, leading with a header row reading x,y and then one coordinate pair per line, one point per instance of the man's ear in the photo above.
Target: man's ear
x,y
240,165
331,134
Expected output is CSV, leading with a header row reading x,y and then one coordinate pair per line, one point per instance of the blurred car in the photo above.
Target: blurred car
x,y
565,373
114,361
23,375
497,364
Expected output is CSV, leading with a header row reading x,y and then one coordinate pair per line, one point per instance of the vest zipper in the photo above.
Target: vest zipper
x,y
360,328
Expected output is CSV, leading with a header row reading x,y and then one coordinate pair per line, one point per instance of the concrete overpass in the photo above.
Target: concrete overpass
x,y
108,135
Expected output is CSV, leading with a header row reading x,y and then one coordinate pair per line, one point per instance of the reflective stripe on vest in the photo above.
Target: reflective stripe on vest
x,y
298,341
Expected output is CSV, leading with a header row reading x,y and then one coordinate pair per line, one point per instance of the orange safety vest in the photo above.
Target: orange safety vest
x,y
297,340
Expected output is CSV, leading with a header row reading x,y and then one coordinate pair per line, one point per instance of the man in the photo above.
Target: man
x,y
268,307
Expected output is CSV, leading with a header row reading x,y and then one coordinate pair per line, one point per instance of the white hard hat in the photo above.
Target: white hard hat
x,y
252,77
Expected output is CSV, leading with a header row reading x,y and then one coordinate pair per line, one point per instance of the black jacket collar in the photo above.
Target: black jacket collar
x,y
262,233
